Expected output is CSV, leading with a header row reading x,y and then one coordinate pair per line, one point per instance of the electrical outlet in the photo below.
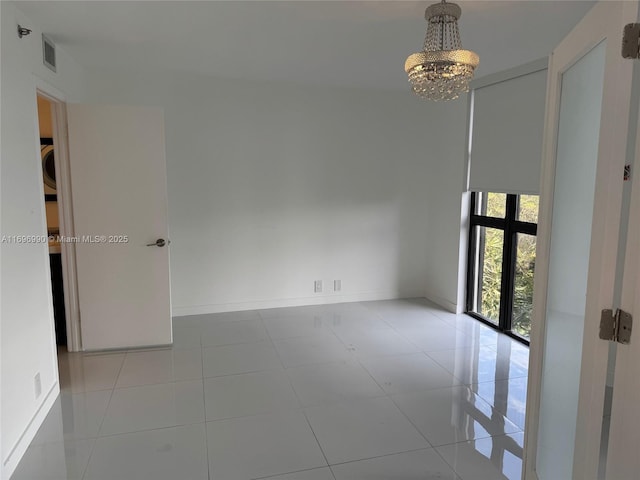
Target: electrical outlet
x,y
317,286
37,385
337,285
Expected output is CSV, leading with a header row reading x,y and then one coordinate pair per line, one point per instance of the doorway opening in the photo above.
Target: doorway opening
x,y
47,153
51,117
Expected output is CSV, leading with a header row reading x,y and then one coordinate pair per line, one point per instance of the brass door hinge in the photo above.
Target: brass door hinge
x,y
631,41
616,326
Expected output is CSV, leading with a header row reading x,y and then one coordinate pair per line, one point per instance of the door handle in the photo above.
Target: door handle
x,y
158,243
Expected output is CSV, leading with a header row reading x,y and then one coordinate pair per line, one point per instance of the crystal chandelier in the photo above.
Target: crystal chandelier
x,y
443,70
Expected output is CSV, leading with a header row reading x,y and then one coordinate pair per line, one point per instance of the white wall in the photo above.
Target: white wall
x,y
448,204
272,186
27,339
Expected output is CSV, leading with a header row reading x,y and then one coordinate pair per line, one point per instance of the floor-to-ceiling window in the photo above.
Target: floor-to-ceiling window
x,y
502,254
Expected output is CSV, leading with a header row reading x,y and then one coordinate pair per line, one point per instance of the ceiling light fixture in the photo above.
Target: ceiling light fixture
x,y
442,70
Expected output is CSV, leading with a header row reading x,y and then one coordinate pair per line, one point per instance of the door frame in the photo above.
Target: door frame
x,y
65,208
621,450
604,237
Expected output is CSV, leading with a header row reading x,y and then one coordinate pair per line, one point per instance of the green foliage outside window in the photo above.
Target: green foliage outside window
x,y
492,273
523,286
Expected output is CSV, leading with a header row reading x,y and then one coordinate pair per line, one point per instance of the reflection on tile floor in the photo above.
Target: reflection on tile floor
x,y
387,389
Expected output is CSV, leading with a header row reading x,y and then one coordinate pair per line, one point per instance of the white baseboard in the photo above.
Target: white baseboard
x,y
289,302
10,463
444,303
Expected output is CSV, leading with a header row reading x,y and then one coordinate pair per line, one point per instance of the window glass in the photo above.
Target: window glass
x,y
493,205
528,208
489,272
523,285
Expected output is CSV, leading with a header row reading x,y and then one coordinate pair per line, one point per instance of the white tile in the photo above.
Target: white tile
x,y
346,365
306,310
346,321
233,332
509,397
234,316
154,406
241,358
389,307
188,321
160,366
248,394
420,464
296,326
262,445
204,319
478,364
350,308
430,304
362,429
309,350
477,332
74,416
495,458
88,372
408,373
374,342
514,350
331,382
456,320
346,306
441,337
419,318
54,461
315,474
186,338
449,415
164,454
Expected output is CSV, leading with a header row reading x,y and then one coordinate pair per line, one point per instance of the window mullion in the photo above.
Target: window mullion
x,y
508,264
471,257
491,222
525,227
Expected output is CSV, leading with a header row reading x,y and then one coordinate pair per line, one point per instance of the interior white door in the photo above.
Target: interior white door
x,y
588,98
623,452
118,178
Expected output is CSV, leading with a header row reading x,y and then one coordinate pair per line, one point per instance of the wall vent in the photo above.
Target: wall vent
x,y
48,53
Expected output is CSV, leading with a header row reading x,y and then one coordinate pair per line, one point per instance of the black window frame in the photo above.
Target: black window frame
x,y
511,226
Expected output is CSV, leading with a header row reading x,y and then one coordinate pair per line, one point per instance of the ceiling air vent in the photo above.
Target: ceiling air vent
x,y
48,53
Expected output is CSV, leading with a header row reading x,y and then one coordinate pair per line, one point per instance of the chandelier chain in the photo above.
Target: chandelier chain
x,y
442,34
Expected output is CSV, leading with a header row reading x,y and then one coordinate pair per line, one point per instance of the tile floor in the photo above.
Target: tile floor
x,y
361,391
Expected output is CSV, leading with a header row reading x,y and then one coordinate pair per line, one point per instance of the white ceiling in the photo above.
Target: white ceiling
x,y
343,43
